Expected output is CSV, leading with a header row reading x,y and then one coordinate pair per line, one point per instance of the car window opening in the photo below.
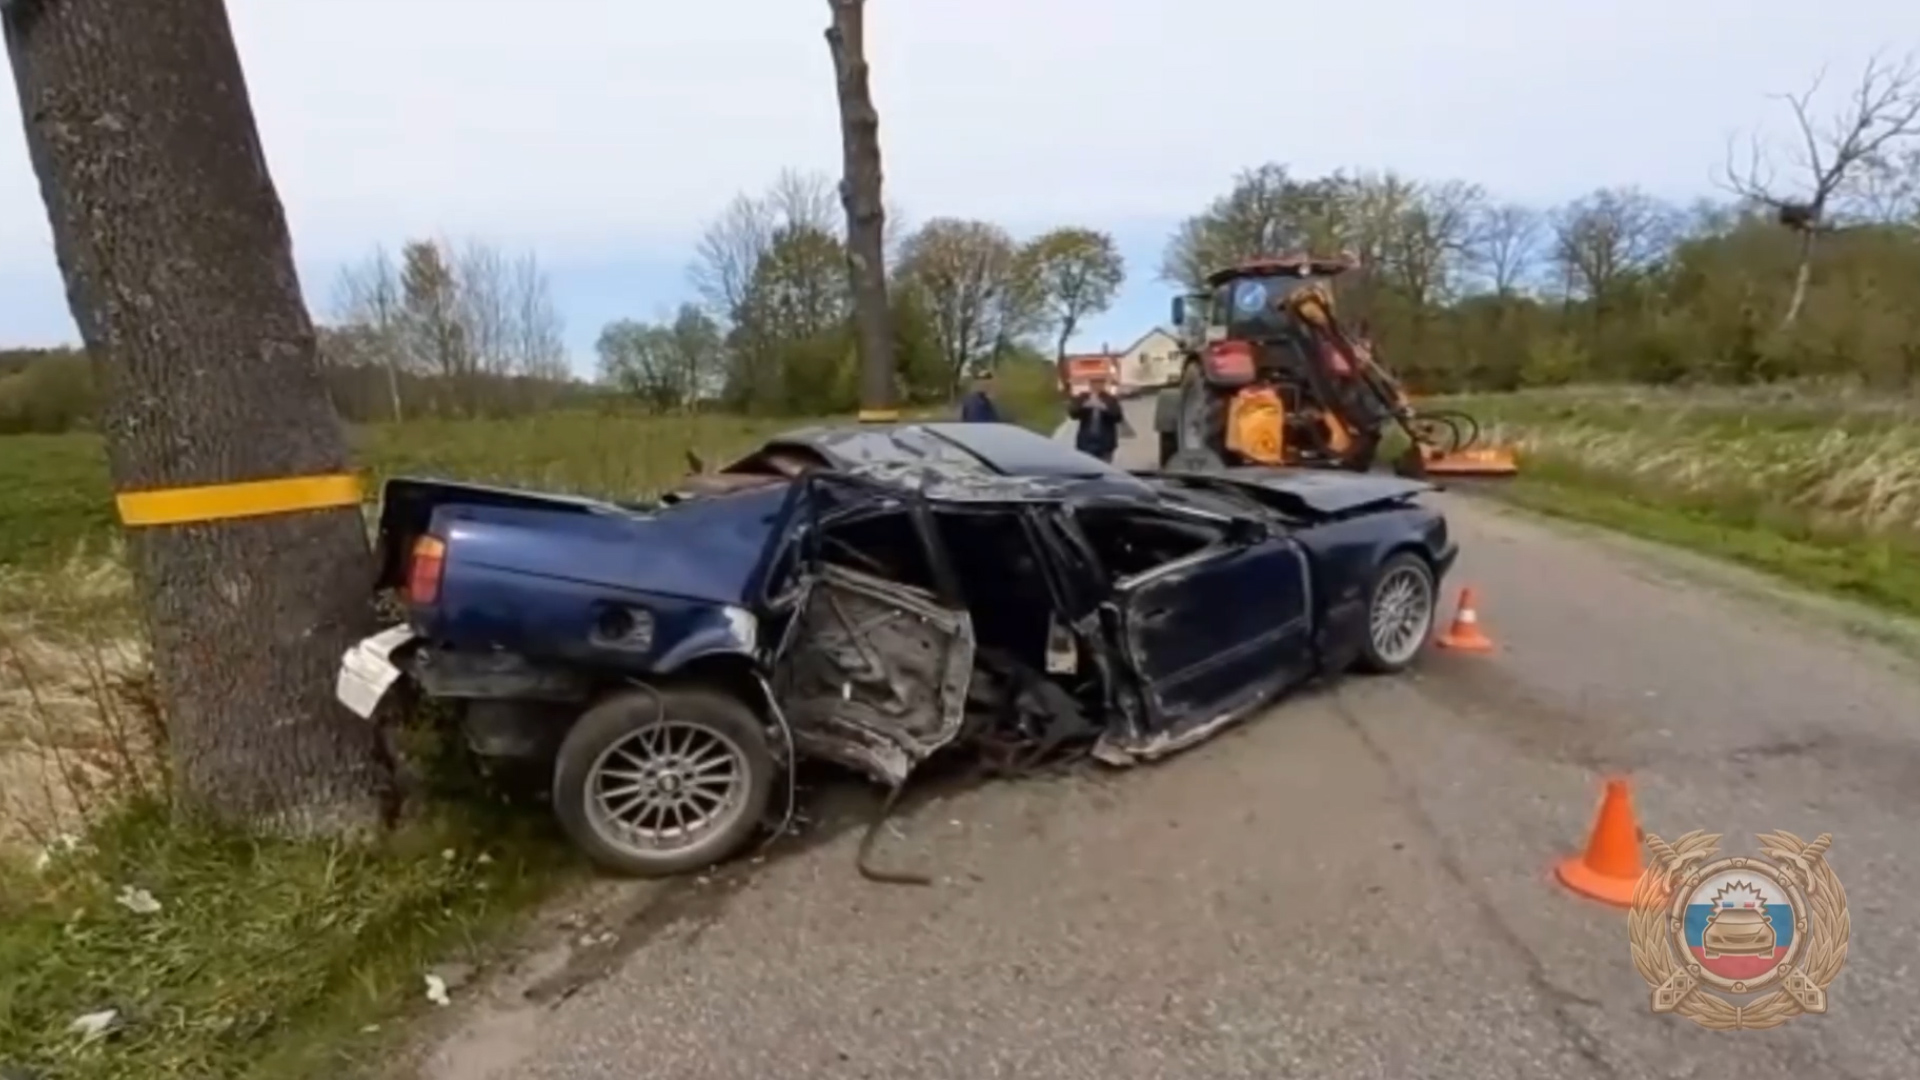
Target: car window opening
x,y
1005,590
1132,542
885,545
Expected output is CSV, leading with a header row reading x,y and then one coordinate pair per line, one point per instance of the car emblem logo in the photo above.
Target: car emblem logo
x,y
1770,932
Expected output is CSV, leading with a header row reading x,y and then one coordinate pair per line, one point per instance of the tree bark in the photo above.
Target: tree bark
x,y
1802,277
179,273
866,214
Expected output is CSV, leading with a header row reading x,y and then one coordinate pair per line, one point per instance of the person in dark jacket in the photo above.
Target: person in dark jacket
x,y
978,407
1100,419
1166,423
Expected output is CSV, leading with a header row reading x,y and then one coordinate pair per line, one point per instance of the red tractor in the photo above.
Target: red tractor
x,y
1271,377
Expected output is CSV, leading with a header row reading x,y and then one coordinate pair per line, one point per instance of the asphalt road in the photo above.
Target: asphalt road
x,y
1356,884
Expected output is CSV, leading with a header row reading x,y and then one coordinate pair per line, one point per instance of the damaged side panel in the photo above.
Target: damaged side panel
x,y
1215,635
874,675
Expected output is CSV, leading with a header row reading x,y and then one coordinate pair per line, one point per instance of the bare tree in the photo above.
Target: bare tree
x,y
432,325
1603,239
733,243
538,337
1506,245
483,308
367,298
180,275
1889,192
506,310
806,199
1882,112
1431,237
1266,212
860,194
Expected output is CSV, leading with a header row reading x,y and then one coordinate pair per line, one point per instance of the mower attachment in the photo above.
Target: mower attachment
x,y
1480,461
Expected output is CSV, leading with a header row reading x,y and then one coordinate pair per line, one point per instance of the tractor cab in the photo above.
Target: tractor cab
x,y
1246,300
1243,321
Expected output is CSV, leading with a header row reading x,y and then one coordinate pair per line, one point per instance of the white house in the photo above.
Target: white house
x,y
1153,360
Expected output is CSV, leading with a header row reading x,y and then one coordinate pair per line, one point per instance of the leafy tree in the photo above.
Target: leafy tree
x,y
667,365
1075,273
973,287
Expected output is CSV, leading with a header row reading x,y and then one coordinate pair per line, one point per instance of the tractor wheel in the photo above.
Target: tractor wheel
x,y
1201,427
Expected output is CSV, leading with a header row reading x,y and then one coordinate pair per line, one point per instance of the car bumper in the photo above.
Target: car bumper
x,y
368,672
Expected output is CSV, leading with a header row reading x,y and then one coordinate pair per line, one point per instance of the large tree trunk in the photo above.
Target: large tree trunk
x,y
866,215
179,272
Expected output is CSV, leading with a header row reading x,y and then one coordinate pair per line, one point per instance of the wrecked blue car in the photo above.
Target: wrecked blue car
x,y
871,597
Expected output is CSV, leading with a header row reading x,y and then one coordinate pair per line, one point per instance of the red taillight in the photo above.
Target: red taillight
x,y
424,569
1230,360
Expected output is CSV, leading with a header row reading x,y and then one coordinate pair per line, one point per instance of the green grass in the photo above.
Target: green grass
x,y
54,492
1820,489
267,958
55,496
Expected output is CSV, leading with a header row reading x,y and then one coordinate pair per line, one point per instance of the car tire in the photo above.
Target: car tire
x,y
642,738
1390,641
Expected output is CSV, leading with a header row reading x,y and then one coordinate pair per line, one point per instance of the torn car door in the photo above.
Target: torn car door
x,y
873,674
1216,633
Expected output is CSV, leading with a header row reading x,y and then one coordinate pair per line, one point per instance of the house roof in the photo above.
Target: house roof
x,y
1116,354
1142,339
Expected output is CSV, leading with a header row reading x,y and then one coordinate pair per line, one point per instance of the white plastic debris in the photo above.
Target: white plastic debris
x,y
94,1024
138,901
64,844
437,990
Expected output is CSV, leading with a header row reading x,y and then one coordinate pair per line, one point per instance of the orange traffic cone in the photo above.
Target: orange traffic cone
x,y
1610,868
1465,635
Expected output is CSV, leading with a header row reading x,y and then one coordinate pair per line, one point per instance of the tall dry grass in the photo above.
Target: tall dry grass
x,y
80,732
1866,482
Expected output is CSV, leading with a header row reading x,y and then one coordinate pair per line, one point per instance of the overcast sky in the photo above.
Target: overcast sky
x,y
603,133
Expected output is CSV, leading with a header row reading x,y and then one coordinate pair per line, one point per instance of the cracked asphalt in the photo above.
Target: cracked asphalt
x,y
1355,884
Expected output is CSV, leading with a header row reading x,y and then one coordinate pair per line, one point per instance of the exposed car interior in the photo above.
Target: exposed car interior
x,y
1131,542
1004,584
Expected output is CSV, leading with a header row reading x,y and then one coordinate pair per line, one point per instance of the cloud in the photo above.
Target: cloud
x,y
603,132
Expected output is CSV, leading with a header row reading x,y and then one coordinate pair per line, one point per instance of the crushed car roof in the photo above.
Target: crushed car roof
x,y
1005,449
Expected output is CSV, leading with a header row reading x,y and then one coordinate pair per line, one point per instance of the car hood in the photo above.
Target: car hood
x,y
1325,491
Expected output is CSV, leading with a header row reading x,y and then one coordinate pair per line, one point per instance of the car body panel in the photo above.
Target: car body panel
x,y
1223,625
874,676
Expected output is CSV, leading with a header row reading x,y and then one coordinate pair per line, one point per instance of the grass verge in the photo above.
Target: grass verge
x,y
1821,490
161,948
55,496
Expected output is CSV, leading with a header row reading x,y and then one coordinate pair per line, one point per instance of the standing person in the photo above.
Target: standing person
x,y
1100,418
1166,422
978,407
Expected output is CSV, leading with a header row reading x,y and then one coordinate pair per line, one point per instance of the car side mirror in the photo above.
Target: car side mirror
x,y
1179,311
